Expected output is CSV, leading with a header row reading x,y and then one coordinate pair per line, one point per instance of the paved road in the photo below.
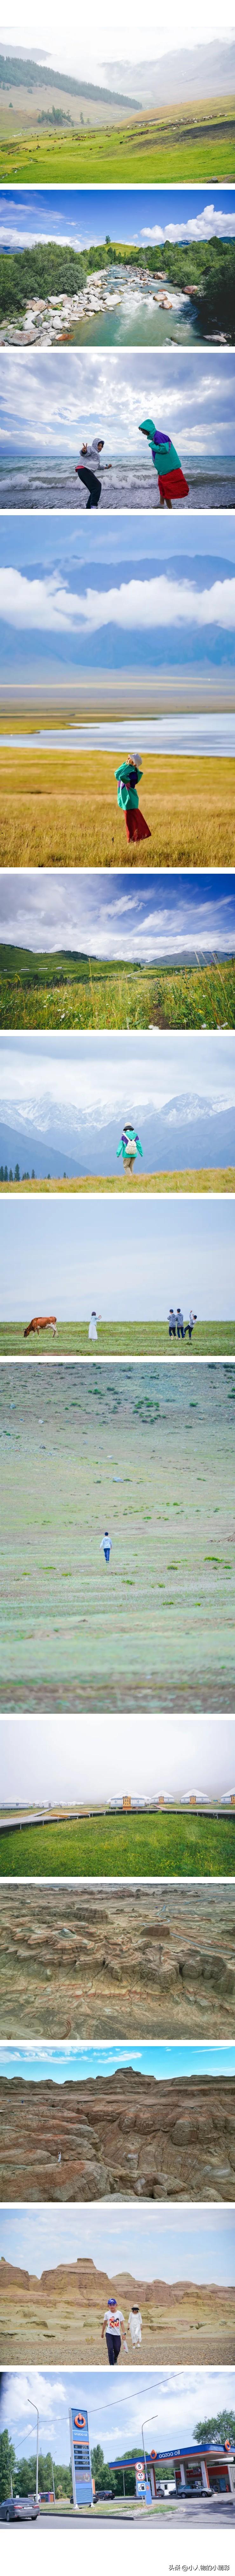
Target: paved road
x,y
215,2509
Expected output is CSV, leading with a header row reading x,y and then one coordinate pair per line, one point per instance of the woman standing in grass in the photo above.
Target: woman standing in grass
x,y
172,485
128,775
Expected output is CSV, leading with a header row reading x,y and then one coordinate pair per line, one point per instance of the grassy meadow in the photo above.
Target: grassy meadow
x,y
147,1632
192,143
155,1183
52,813
119,1341
53,992
122,1847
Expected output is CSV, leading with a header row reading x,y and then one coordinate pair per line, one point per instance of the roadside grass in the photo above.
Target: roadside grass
x,y
51,812
155,1184
187,146
119,1341
122,1847
188,998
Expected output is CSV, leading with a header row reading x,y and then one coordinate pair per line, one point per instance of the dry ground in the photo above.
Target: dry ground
x,y
52,812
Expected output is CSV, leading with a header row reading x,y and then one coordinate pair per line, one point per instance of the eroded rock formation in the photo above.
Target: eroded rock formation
x,y
80,1959
125,2136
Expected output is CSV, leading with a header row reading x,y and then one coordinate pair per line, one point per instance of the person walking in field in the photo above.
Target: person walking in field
x,y
128,775
179,1324
171,1319
91,465
94,1320
114,2330
189,1327
106,1543
129,1146
171,481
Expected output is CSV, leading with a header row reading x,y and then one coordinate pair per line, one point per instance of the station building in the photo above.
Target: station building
x,y
199,2469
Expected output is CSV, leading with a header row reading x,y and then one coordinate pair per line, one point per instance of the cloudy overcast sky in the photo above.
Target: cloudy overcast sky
x,y
95,47
48,410
83,216
84,1080
41,2064
122,1258
154,602
121,915
150,2243
174,2402
48,1761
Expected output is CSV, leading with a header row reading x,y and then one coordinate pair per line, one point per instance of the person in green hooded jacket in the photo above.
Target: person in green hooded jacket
x,y
128,774
172,485
129,1146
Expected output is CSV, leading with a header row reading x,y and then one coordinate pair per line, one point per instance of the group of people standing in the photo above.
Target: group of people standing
x,y
177,1327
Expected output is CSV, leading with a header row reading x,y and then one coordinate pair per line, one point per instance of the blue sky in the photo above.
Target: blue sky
x,y
117,1258
48,410
143,215
174,2401
125,915
157,601
45,1761
151,2243
40,2063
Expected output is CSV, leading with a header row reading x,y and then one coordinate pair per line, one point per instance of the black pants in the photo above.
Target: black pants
x,y
113,2348
172,1332
180,1331
94,488
188,1329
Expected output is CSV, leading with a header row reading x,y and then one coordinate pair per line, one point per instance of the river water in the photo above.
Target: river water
x,y
210,734
29,483
137,318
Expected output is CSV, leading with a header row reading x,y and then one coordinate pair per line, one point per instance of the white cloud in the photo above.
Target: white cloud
x,y
47,604
196,228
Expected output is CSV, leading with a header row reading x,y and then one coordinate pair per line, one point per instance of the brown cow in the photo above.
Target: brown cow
x,y
41,1324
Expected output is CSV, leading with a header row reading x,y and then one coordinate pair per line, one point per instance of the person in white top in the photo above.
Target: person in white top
x,y
106,1543
135,2324
92,464
94,1320
189,1327
114,2330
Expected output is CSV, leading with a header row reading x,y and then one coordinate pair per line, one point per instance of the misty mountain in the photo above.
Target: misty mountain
x,y
191,72
187,1133
30,1151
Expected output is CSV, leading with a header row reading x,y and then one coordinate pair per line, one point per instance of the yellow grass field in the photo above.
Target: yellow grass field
x,y
53,811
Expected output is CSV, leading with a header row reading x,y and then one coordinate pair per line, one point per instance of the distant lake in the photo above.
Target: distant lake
x,y
212,735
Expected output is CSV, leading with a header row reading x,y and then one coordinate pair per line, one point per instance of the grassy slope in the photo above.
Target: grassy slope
x,y
51,810
187,998
120,1341
160,1183
123,1848
170,147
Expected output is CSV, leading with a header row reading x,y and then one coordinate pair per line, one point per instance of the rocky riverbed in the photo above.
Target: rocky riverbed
x,y
90,1962
124,2136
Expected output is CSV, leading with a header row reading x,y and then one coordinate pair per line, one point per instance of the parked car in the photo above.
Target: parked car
x,y
19,2509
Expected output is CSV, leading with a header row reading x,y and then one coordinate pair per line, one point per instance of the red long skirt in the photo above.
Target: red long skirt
x,y
173,486
136,828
